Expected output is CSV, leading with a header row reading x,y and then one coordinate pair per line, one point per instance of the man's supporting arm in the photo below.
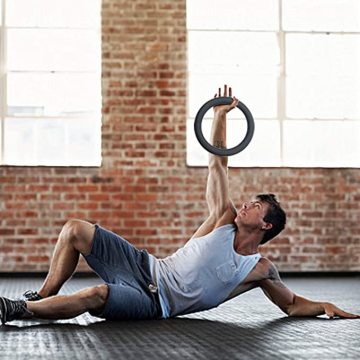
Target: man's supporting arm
x,y
292,304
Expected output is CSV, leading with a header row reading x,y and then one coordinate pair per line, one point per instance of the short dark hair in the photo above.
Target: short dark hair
x,y
275,216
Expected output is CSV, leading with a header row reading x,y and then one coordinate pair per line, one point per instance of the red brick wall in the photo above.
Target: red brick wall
x,y
144,190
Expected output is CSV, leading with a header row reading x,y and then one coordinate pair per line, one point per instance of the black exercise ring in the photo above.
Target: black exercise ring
x,y
212,149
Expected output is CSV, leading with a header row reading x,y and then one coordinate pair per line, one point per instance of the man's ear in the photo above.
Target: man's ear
x,y
266,226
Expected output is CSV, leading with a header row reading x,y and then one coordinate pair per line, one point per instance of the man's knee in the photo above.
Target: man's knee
x,y
80,234
97,296
102,292
70,229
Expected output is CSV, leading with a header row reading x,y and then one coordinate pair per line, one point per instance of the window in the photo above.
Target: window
x,y
294,63
50,81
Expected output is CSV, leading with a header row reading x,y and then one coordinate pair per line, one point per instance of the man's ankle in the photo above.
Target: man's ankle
x,y
43,294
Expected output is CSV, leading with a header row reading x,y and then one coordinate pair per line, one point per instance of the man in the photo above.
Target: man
x,y
219,262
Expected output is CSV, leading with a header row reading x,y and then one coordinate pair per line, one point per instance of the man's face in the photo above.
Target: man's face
x,y
252,214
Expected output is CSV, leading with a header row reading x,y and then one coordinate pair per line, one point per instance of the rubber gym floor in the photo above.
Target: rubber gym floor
x,y
247,327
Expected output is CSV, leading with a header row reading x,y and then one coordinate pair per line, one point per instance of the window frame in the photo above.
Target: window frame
x,y
281,94
5,115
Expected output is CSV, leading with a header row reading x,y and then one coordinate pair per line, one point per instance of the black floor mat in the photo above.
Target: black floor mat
x,y
248,327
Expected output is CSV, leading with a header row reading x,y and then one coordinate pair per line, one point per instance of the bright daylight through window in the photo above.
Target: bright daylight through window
x,y
50,82
294,63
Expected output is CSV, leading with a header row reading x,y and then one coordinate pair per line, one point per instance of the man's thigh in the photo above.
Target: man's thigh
x,y
115,260
126,302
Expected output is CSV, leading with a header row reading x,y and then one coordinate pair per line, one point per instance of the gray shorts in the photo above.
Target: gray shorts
x,y
126,271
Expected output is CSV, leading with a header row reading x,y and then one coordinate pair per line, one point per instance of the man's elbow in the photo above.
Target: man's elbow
x,y
286,310
217,211
290,309
296,308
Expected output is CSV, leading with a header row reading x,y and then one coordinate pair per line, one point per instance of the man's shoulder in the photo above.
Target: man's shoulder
x,y
264,262
267,270
254,279
263,268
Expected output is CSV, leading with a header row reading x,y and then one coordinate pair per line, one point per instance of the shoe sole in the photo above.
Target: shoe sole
x,y
3,310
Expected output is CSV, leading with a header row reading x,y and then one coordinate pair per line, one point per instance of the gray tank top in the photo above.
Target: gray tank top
x,y
202,274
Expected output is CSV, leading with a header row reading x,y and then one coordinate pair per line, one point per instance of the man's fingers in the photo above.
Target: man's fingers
x,y
347,315
340,313
225,92
343,313
333,311
235,102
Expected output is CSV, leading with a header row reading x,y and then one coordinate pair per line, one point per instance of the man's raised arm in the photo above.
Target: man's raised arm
x,y
217,191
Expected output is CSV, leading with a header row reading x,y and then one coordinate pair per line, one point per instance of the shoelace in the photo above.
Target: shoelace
x,y
29,294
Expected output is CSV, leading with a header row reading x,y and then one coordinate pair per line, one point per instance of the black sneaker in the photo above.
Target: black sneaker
x,y
13,310
30,295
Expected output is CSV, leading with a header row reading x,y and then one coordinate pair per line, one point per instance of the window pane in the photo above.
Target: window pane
x,y
323,54
263,150
323,76
233,51
53,13
232,14
258,93
322,143
84,142
18,142
52,142
50,146
52,94
250,67
50,50
323,97
321,15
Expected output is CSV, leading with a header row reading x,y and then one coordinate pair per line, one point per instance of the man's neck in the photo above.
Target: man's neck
x,y
245,243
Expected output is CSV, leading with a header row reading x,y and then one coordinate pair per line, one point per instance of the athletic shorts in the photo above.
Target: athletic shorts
x,y
126,271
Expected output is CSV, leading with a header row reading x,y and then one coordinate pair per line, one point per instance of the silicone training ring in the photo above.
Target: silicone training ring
x,y
212,149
